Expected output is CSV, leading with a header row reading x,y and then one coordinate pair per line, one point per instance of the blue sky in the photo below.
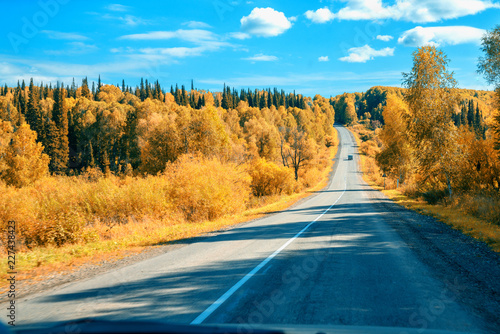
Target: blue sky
x,y
313,47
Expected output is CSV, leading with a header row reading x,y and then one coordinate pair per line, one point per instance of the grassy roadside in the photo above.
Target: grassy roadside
x,y
477,228
129,239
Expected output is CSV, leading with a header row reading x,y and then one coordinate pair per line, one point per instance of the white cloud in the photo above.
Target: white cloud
x,y
265,22
128,20
197,25
76,48
204,41
364,53
262,57
366,10
176,52
118,8
323,58
385,38
64,35
122,50
294,79
411,10
194,35
16,68
436,36
322,15
239,35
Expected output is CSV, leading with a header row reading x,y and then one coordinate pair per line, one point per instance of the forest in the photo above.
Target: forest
x,y
75,158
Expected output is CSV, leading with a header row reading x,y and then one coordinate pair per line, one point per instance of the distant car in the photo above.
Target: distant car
x,y
349,157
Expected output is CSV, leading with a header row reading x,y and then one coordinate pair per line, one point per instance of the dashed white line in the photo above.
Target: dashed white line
x,y
205,314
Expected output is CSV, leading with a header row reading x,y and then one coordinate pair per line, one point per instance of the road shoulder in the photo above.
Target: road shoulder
x,y
466,266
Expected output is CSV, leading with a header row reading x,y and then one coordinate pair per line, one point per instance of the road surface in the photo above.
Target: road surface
x,y
332,259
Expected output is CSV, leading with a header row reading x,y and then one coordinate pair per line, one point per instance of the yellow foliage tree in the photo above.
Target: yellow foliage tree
x,y
431,98
5,138
296,149
163,145
269,178
24,158
396,158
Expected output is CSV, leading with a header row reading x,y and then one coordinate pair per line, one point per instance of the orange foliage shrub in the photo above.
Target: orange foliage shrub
x,y
57,210
202,188
369,148
270,179
310,177
331,141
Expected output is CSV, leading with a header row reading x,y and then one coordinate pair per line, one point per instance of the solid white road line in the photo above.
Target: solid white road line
x,y
205,314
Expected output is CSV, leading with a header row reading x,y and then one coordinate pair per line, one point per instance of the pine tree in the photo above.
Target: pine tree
x,y
72,92
46,91
130,144
60,157
99,84
147,91
85,88
201,102
33,115
470,114
184,101
21,99
158,92
463,115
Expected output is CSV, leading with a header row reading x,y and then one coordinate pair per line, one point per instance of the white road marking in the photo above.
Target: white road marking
x,y
205,314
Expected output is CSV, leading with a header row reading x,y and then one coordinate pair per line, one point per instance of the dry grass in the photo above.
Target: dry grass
x,y
116,217
457,218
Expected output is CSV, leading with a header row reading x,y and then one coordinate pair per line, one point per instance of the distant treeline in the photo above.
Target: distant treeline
x,y
474,108
227,99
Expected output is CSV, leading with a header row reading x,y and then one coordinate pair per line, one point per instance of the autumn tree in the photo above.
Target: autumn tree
x,y
6,131
296,149
270,179
163,145
431,98
24,158
262,138
396,157
489,66
8,112
345,110
207,133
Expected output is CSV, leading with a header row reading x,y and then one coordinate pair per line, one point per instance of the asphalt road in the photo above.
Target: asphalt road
x,y
331,259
